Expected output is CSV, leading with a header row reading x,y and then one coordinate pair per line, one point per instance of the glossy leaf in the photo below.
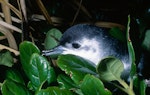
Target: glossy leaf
x,y
54,91
51,77
52,38
131,50
76,67
140,86
30,86
10,87
146,41
38,70
110,69
6,59
93,86
14,76
66,82
118,34
26,49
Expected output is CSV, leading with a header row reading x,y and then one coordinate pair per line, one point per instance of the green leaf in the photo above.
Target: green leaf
x,y
6,59
30,86
110,69
117,33
52,38
26,49
93,86
38,70
54,91
140,85
76,67
66,82
146,41
14,76
131,50
10,87
51,77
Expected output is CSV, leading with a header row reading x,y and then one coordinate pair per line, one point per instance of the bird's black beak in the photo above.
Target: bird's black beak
x,y
53,53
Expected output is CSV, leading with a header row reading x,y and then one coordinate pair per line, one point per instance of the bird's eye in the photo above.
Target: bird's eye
x,y
75,45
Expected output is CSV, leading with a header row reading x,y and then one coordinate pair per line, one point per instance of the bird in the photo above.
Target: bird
x,y
92,43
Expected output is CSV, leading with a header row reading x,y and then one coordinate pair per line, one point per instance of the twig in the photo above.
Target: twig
x,y
2,37
14,19
44,11
6,11
82,8
55,20
22,7
75,16
16,11
10,37
10,49
110,25
9,26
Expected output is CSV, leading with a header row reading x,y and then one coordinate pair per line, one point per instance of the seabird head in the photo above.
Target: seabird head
x,y
92,43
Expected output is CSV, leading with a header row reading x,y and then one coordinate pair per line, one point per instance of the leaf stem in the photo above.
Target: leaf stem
x,y
1,85
127,88
131,83
123,83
